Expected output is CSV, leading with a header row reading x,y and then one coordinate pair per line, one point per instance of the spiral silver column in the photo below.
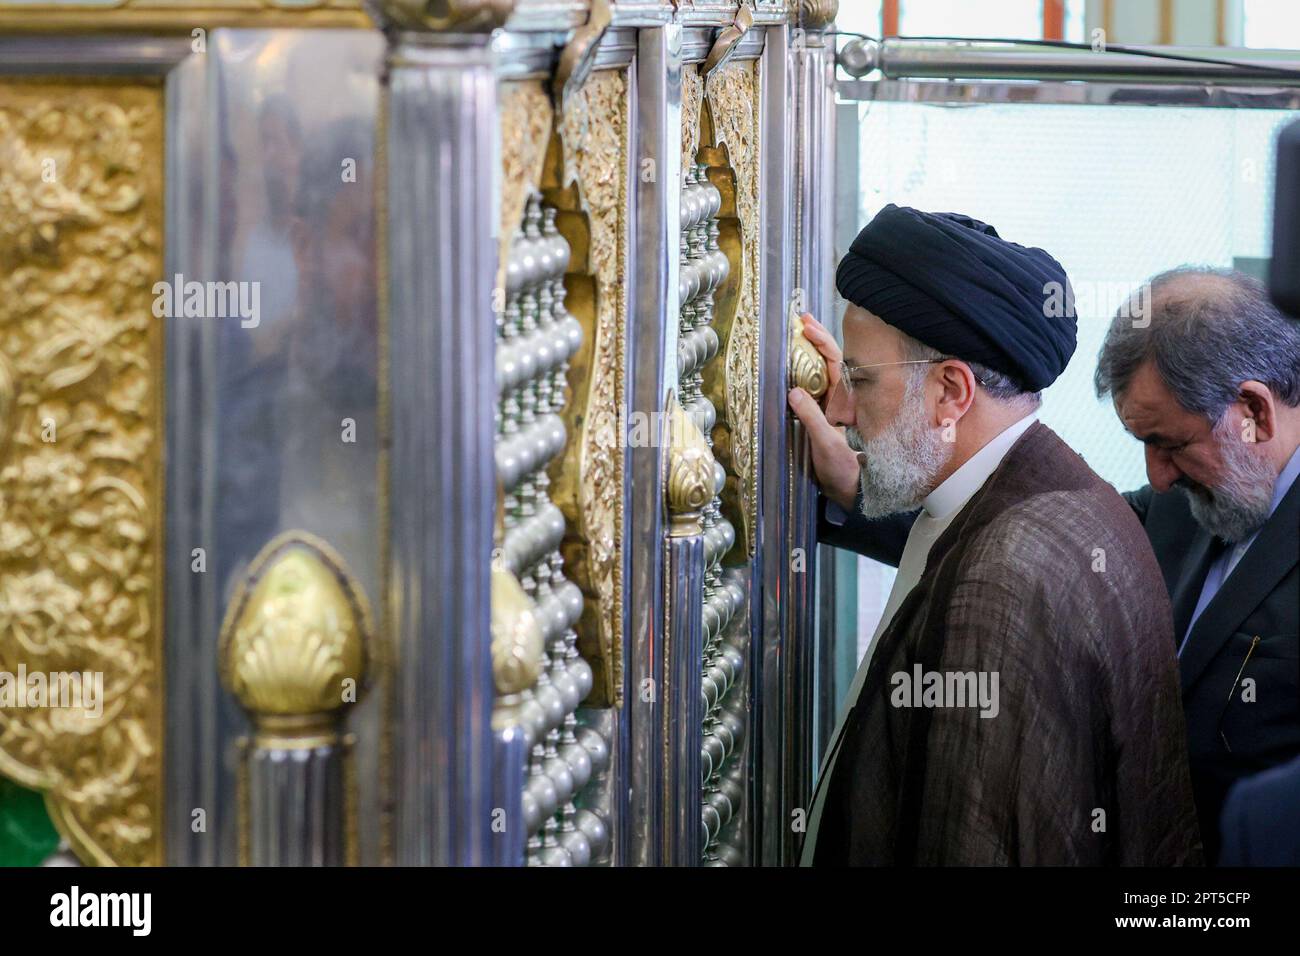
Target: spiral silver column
x,y
535,338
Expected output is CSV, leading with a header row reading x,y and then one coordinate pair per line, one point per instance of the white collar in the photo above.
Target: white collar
x,y
959,487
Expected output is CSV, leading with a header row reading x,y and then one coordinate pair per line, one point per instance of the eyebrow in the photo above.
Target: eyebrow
x,y
1155,438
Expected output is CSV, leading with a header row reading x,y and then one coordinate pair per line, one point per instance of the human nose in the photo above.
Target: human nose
x,y
839,406
1161,470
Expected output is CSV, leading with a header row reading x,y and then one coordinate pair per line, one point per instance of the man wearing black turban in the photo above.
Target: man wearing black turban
x,y
1018,703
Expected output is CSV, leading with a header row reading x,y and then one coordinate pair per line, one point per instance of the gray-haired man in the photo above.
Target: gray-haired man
x,y
1212,388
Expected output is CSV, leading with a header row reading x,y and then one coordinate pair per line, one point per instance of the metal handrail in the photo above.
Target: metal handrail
x,y
907,58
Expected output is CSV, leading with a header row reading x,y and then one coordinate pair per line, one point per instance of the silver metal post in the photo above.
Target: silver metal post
x,y
652,338
772,823
441,111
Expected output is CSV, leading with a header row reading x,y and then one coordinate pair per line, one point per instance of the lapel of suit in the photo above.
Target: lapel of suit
x,y
1271,557
1196,565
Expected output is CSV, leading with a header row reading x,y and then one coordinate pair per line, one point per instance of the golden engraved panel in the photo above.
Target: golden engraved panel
x,y
527,124
692,104
80,468
586,179
730,148
84,16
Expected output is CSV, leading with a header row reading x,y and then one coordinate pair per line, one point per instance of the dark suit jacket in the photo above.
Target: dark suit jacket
x,y
1261,819
1260,598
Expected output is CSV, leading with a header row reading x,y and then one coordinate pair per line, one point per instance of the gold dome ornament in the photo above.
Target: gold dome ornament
x,y
691,477
296,641
517,643
807,366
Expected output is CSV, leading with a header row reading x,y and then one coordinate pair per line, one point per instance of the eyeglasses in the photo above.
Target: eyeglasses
x,y
847,371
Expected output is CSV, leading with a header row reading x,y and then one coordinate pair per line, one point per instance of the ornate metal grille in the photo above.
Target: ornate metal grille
x,y
536,337
704,267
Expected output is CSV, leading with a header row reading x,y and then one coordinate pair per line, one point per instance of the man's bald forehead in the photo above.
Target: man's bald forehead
x,y
1194,286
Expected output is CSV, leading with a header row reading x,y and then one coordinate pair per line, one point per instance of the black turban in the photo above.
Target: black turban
x,y
950,282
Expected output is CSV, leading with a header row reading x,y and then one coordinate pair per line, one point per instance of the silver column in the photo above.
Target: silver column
x,y
651,338
441,263
296,805
685,707
773,816
814,99
257,441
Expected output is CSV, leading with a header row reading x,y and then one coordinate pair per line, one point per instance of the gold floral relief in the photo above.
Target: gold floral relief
x,y
692,104
83,16
527,122
586,180
730,148
80,453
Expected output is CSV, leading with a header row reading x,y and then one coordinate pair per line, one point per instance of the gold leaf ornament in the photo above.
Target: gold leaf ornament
x,y
296,632
517,643
690,472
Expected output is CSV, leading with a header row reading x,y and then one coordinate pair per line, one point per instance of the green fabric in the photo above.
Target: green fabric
x,y
27,835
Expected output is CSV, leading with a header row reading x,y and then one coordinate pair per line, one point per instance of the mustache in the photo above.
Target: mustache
x,y
855,442
1193,487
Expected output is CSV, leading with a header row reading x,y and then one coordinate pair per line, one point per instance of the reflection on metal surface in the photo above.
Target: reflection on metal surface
x,y
81,451
275,426
652,339
440,114
813,128
772,831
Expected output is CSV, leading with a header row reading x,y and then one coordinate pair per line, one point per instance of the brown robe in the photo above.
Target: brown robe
x,y
1085,762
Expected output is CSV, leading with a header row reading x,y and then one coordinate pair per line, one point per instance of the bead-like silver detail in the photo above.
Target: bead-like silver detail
x,y
703,268
536,338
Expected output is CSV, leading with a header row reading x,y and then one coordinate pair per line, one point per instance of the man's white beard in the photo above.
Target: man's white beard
x,y
902,463
1238,505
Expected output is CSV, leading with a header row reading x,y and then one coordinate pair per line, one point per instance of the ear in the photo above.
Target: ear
x,y
957,391
1255,402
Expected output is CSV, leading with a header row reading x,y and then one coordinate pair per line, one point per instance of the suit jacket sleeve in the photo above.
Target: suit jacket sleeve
x,y
1235,848
881,539
1140,501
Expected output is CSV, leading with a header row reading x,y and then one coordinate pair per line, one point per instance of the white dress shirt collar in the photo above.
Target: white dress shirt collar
x,y
959,487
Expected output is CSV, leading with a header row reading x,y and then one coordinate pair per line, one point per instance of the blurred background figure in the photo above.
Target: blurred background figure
x,y
1261,819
